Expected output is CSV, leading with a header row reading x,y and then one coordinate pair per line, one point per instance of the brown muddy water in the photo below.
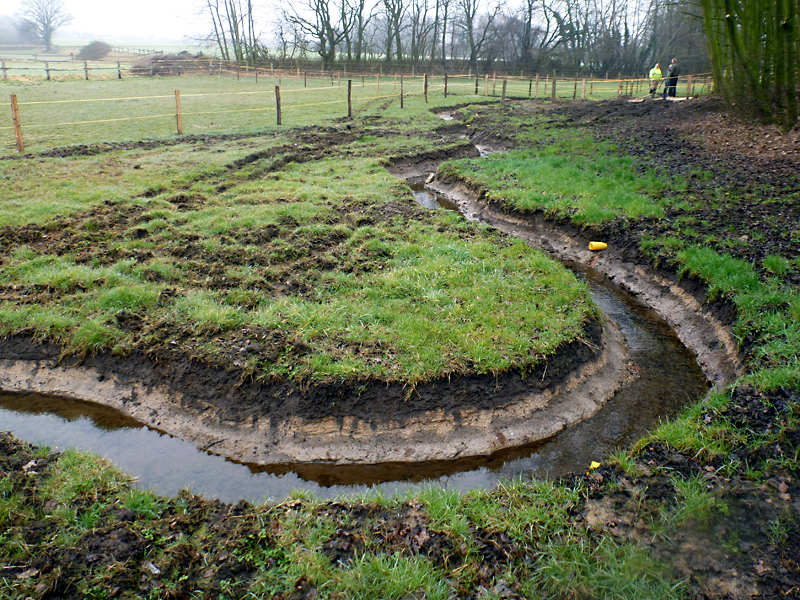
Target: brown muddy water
x,y
668,379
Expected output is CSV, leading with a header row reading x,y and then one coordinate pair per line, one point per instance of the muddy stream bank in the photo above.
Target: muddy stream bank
x,y
659,376
667,378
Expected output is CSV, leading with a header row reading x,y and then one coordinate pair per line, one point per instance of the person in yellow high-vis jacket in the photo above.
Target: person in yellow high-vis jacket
x,y
655,79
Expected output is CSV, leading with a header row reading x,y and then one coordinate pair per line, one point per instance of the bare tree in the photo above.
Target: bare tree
x,y
537,33
322,21
394,13
421,28
359,19
44,17
476,27
234,30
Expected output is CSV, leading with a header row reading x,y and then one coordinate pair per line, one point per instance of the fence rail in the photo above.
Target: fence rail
x,y
282,92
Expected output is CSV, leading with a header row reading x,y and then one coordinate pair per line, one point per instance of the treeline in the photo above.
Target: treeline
x,y
571,36
755,48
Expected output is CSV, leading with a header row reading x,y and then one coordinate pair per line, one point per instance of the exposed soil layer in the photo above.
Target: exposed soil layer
x,y
273,423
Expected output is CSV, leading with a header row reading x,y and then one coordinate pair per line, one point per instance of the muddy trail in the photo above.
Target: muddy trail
x,y
739,553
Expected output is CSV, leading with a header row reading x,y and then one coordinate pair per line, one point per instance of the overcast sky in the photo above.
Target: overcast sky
x,y
115,20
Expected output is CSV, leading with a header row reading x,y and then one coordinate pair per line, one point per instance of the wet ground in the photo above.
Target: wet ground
x,y
667,379
753,550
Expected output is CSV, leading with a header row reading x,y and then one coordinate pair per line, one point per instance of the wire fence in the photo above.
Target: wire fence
x,y
244,100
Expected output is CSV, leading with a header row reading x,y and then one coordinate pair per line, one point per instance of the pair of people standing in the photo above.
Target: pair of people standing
x,y
671,83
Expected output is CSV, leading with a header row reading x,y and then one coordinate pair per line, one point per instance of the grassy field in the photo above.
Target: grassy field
x,y
282,249
60,113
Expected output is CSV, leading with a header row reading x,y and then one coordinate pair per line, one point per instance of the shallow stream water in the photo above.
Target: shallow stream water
x,y
668,378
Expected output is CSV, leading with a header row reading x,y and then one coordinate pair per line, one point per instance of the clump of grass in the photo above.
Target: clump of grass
x,y
581,568
391,577
591,186
697,504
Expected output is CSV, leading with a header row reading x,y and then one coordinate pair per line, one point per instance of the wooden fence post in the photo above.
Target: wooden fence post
x,y
536,95
494,83
86,69
178,111
530,86
401,91
575,90
546,80
278,102
17,127
689,87
553,97
583,90
445,85
503,96
476,85
119,71
349,99
305,79
5,71
425,86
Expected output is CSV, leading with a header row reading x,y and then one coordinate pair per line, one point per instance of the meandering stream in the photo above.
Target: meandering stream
x,y
668,379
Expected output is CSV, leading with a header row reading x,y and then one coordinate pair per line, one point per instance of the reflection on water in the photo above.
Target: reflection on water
x,y
668,379
427,198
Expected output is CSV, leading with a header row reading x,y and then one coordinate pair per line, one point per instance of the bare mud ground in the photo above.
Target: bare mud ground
x,y
740,556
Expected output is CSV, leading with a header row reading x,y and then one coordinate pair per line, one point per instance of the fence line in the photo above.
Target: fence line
x,y
511,88
204,64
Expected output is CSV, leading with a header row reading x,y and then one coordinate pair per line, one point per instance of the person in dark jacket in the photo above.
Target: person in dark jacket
x,y
673,71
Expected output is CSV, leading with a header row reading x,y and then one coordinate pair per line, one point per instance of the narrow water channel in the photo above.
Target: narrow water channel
x,y
668,378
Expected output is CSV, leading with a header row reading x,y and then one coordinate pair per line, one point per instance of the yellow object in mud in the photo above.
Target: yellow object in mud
x,y
597,245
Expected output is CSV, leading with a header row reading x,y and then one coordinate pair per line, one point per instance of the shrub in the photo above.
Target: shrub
x,y
94,51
